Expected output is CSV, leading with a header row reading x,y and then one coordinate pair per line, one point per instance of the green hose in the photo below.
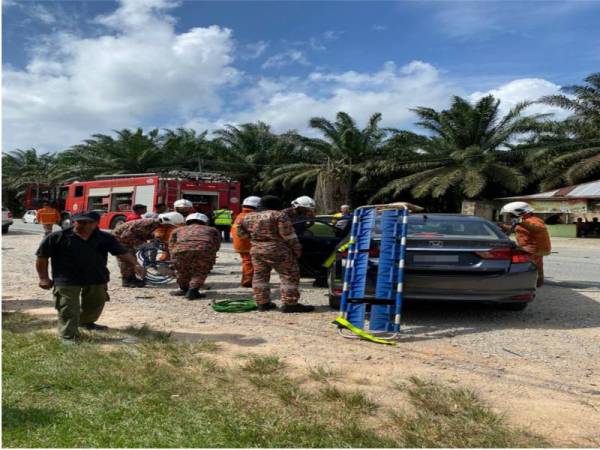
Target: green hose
x,y
234,306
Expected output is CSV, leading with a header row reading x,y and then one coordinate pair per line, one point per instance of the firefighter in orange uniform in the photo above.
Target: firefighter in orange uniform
x,y
531,232
48,216
241,245
170,221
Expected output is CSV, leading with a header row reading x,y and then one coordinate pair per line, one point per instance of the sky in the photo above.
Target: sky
x,y
75,68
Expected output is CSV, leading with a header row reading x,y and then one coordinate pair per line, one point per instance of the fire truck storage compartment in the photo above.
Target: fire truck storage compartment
x,y
144,195
211,198
98,199
121,198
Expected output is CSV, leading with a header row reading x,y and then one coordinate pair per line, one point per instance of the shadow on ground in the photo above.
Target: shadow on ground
x,y
554,309
15,417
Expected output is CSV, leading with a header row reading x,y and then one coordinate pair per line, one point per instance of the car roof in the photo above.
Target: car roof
x,y
450,217
438,216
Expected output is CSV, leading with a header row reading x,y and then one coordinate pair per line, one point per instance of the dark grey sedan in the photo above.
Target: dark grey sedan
x,y
455,258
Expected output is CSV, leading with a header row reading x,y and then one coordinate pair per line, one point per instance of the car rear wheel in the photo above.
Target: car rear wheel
x,y
5,229
517,306
116,222
334,301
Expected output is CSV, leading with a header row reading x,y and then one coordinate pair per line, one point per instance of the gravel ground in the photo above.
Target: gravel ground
x,y
540,366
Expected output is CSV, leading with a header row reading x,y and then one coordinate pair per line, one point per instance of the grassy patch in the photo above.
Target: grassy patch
x,y
148,334
263,365
352,400
17,322
164,393
323,374
454,417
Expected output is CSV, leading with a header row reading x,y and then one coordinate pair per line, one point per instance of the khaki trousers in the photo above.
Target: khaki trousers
x,y
78,305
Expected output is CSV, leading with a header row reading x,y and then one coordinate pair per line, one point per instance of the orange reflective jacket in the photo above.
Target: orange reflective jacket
x,y
164,233
48,216
533,236
240,245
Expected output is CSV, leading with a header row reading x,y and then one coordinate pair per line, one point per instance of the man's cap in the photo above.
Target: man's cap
x,y
88,216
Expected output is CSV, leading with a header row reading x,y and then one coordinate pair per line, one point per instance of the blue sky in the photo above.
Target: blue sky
x,y
72,68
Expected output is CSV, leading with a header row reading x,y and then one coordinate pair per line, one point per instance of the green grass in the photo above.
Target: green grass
x,y
263,365
323,374
351,400
454,417
145,332
162,393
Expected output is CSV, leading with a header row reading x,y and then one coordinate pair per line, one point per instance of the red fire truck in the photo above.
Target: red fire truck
x,y
113,195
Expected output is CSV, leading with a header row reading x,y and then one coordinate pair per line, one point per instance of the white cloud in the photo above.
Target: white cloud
x,y
466,20
288,104
75,86
525,89
8,3
332,35
285,59
41,13
379,27
254,50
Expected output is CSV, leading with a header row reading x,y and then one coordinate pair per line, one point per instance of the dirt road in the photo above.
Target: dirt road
x,y
541,367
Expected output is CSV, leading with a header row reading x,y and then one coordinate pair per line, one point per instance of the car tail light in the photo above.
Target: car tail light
x,y
10,215
515,256
337,291
497,253
520,257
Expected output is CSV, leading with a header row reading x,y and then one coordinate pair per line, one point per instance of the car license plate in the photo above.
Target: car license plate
x,y
436,258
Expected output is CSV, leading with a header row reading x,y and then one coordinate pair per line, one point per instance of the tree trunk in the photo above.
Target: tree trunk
x,y
332,190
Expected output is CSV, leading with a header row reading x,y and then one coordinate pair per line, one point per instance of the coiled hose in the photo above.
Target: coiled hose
x,y
234,306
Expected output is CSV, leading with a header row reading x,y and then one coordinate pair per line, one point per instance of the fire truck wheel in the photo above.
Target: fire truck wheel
x,y
116,222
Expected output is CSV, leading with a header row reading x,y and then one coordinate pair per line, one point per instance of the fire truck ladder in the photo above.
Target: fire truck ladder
x,y
386,306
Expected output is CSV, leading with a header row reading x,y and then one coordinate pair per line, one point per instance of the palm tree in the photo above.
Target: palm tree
x,y
329,163
185,149
568,152
246,150
130,152
21,168
467,154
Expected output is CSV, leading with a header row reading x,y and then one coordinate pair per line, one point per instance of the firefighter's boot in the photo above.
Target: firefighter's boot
x,y
180,292
193,294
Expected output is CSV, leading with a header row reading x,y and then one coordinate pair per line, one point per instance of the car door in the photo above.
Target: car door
x,y
319,240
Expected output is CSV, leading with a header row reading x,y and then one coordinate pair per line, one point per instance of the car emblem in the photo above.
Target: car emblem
x,y
436,243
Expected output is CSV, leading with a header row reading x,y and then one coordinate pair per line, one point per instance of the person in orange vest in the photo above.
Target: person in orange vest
x,y
242,245
531,233
170,221
48,216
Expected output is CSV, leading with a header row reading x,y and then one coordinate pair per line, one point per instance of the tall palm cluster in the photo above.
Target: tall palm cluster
x,y
468,151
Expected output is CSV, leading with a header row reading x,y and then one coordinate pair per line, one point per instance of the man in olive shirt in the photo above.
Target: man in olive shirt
x,y
79,257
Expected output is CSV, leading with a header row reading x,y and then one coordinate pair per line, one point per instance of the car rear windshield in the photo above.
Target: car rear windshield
x,y
451,228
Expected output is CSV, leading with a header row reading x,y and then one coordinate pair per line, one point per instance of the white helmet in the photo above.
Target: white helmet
x,y
304,202
516,208
183,203
196,216
170,218
253,201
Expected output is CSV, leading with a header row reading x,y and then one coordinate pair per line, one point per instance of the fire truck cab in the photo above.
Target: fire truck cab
x,y
114,195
